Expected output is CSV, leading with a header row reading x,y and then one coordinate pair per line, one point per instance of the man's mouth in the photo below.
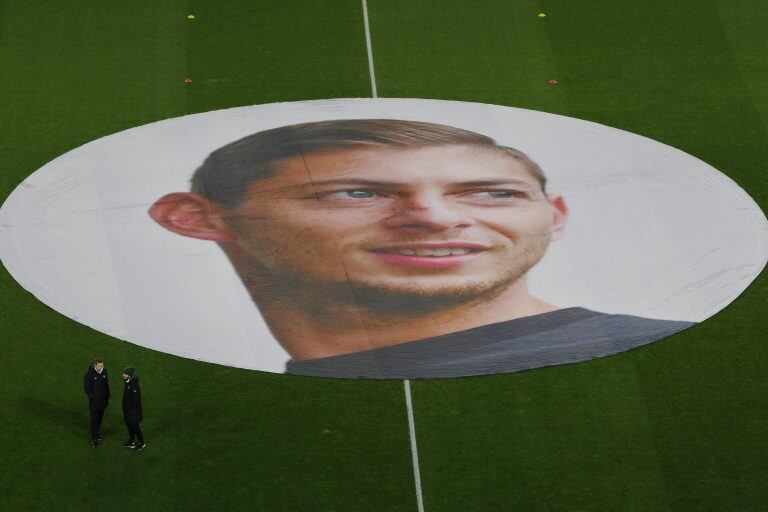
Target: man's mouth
x,y
430,255
448,251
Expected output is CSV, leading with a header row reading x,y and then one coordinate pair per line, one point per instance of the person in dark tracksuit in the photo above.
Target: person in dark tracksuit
x,y
96,386
132,409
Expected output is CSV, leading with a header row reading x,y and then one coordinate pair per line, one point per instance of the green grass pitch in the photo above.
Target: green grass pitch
x,y
676,426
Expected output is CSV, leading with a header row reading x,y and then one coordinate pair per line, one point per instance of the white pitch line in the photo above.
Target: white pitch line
x,y
370,50
406,383
414,449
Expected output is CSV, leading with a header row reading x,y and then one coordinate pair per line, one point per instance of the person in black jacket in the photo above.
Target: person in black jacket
x,y
96,386
132,409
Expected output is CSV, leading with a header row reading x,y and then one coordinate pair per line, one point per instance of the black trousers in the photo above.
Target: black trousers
x,y
134,432
97,414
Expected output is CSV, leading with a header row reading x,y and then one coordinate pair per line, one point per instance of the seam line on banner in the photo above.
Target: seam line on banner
x,y
414,449
370,49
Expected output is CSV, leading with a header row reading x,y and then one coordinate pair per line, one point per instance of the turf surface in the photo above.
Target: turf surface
x,y
678,425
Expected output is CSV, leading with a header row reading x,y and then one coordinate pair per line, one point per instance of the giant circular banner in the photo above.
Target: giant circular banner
x,y
382,238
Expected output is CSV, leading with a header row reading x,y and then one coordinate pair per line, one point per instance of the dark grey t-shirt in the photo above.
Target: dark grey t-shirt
x,y
564,336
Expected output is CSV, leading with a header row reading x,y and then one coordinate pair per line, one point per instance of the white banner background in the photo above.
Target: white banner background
x,y
653,231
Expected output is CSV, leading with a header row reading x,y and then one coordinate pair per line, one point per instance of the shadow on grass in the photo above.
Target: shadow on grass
x,y
62,418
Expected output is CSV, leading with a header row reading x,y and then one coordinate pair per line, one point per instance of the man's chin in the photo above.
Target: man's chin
x,y
414,299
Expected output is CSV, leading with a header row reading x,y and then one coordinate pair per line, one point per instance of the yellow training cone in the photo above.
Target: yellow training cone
x,y
542,15
191,17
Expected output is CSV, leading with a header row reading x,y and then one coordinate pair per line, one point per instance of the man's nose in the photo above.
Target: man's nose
x,y
428,213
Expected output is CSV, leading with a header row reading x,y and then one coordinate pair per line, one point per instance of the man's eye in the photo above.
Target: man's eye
x,y
498,194
351,194
359,194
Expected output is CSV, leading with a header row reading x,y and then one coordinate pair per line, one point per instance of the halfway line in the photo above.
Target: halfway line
x,y
406,383
414,450
370,50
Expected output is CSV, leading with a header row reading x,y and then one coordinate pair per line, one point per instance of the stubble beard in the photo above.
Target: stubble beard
x,y
328,300
412,301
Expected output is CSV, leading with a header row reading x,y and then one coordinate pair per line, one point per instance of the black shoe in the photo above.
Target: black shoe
x,y
98,436
129,444
139,447
96,443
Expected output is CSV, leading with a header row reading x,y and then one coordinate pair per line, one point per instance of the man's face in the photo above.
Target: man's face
x,y
126,376
99,367
445,222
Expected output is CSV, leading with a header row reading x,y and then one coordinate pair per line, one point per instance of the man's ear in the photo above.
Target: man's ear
x,y
560,215
191,215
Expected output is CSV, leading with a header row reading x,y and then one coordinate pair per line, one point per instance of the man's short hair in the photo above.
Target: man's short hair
x,y
97,360
227,172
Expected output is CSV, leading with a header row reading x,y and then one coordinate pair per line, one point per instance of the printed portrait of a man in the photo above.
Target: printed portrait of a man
x,y
381,248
